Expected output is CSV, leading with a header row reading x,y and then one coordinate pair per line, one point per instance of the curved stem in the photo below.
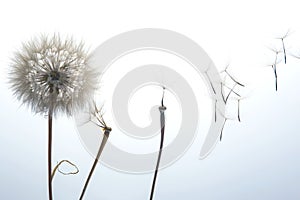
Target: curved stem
x,y
50,153
162,131
56,168
104,140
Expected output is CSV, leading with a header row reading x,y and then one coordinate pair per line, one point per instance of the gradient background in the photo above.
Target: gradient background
x,y
257,159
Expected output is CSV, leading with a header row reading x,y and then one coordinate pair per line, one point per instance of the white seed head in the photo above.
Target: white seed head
x,y
51,74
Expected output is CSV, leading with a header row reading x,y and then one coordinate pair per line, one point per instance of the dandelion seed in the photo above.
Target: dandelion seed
x,y
239,118
283,45
276,78
210,82
51,75
221,135
223,126
231,77
230,92
222,93
100,122
216,101
274,65
239,99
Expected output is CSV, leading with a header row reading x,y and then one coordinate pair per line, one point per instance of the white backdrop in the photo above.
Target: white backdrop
x,y
257,159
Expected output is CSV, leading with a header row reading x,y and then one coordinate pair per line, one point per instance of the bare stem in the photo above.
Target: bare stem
x,y
162,110
162,131
102,145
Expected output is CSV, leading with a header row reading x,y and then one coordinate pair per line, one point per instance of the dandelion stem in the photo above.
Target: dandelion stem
x,y
102,145
162,109
50,153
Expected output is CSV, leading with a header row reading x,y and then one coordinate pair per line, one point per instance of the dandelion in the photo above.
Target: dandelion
x,y
51,75
98,115
162,110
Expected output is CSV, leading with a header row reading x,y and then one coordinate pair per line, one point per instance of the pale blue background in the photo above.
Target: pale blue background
x,y
258,159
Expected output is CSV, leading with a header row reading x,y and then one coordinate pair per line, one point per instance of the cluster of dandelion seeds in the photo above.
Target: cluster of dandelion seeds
x,y
51,73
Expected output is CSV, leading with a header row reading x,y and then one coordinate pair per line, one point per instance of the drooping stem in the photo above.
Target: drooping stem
x,y
162,110
50,153
102,145
56,168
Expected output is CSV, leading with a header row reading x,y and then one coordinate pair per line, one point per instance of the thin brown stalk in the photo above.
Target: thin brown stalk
x,y
162,110
100,123
102,145
50,154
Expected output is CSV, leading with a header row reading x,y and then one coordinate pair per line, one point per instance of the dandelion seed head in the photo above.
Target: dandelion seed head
x,y
51,73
